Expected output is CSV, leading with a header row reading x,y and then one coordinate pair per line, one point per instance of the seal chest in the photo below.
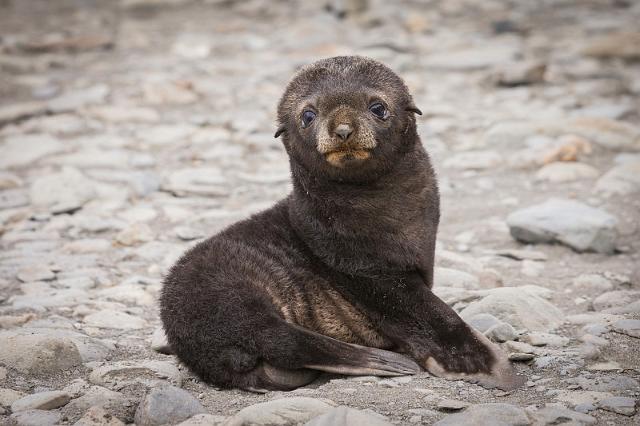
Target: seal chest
x,y
336,277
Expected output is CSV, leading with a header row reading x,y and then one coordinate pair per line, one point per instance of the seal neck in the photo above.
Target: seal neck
x,y
368,228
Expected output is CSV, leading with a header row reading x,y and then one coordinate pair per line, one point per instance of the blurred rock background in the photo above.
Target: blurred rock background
x,y
130,130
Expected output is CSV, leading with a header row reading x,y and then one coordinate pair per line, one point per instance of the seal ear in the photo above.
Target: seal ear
x,y
280,131
414,109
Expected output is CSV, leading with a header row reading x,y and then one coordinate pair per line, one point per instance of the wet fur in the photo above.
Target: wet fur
x,y
347,257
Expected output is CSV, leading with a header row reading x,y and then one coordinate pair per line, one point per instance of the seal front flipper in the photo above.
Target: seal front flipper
x,y
500,373
448,347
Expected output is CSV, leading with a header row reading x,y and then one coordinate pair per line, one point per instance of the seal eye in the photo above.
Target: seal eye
x,y
307,118
378,110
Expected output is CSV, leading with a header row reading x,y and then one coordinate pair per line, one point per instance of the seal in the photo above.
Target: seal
x,y
336,277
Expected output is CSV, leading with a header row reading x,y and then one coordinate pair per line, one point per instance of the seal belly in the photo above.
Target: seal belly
x,y
317,307
333,316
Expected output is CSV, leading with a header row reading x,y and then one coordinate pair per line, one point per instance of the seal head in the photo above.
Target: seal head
x,y
347,119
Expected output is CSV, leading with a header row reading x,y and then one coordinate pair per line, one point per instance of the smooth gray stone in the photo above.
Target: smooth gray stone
x,y
494,414
345,416
167,405
568,222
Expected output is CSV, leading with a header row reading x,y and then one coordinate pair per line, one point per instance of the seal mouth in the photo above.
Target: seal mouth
x,y
339,156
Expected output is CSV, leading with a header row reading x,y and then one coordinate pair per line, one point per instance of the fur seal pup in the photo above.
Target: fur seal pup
x,y
336,277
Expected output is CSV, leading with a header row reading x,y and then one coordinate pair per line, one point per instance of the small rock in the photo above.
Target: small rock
x,y
416,23
36,273
567,148
9,181
630,327
41,401
87,245
98,416
13,198
624,45
550,415
483,322
622,179
347,8
502,332
167,405
566,172
474,160
592,283
186,233
108,318
62,192
614,299
520,73
35,418
513,346
545,339
9,396
38,354
135,234
520,357
523,254
569,222
345,416
518,307
48,297
447,277
618,404
451,405
196,181
77,99
128,293
284,411
25,150
125,373
121,114
19,111
608,383
166,134
159,342
494,414
472,59
585,408
189,45
90,349
575,398
531,268
139,214
169,92
204,420
611,134
97,396
604,366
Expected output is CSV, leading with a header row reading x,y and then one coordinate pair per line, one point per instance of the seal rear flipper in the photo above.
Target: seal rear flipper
x,y
318,352
267,377
363,361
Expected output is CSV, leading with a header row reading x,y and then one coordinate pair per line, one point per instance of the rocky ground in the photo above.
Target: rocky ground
x,y
131,129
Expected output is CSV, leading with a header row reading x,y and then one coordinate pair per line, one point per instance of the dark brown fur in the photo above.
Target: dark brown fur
x,y
337,276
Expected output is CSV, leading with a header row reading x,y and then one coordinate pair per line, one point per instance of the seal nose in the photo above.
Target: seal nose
x,y
343,130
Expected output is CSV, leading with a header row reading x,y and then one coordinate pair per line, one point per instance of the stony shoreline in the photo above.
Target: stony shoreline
x,y
130,130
